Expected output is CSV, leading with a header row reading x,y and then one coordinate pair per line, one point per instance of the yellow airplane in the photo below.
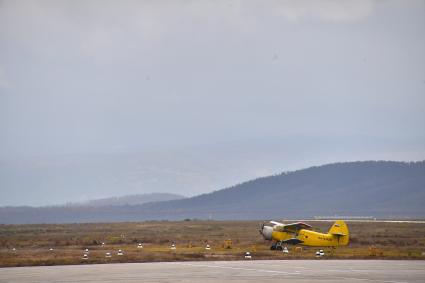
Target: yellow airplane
x,y
301,233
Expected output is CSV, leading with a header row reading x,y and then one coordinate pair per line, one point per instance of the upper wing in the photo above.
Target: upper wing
x,y
293,227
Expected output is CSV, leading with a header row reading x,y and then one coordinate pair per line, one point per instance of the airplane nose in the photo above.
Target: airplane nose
x,y
267,232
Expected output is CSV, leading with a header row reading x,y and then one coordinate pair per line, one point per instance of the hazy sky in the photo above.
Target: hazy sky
x,y
191,96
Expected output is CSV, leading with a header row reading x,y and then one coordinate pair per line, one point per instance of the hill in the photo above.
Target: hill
x,y
371,188
383,189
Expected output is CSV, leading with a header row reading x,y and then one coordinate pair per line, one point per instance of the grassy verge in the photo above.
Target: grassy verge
x,y
32,242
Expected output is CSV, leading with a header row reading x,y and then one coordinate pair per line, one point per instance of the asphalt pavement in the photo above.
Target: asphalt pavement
x,y
321,270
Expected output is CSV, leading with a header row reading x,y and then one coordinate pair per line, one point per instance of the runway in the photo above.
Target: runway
x,y
347,271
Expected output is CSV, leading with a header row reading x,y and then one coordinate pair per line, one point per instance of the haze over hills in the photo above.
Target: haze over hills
x,y
129,200
383,189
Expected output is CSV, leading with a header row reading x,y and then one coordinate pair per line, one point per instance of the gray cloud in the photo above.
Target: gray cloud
x,y
152,77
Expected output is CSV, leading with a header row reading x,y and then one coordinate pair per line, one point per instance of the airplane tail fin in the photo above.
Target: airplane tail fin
x,y
340,230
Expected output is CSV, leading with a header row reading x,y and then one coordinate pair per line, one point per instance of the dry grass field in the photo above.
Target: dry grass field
x,y
23,245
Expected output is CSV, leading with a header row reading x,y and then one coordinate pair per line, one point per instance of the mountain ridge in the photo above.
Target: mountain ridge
x,y
381,189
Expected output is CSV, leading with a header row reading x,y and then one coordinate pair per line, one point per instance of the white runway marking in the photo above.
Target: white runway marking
x,y
279,265
286,272
237,268
366,279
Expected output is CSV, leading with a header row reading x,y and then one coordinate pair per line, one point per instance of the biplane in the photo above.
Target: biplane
x,y
303,234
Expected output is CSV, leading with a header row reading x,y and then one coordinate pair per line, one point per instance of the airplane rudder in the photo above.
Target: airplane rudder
x,y
340,227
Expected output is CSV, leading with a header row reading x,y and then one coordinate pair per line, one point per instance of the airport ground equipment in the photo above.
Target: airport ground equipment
x,y
227,244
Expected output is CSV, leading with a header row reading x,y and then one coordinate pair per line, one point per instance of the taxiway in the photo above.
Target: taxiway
x,y
347,271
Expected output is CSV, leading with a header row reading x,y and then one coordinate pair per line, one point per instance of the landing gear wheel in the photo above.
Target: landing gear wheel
x,y
279,246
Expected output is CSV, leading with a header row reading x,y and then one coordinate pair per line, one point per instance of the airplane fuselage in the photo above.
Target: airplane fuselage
x,y
310,238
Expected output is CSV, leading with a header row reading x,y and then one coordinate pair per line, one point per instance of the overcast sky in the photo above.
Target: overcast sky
x,y
215,91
